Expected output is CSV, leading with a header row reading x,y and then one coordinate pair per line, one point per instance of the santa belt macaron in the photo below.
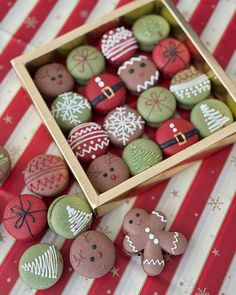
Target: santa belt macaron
x,y
179,138
108,92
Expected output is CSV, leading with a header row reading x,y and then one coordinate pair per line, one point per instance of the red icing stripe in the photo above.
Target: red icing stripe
x,y
217,263
194,202
24,34
5,7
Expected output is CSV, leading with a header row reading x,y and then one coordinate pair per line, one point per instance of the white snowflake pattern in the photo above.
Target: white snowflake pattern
x,y
70,107
31,22
215,203
122,124
202,291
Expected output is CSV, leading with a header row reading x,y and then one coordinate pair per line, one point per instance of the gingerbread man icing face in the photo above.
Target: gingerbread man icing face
x,y
92,254
138,73
107,171
145,235
53,79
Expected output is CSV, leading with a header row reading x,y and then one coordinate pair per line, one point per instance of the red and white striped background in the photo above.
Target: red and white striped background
x,y
199,202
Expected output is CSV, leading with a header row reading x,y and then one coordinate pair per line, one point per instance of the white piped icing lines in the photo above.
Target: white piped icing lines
x,y
45,265
160,216
131,244
154,262
148,83
78,220
130,62
175,242
151,236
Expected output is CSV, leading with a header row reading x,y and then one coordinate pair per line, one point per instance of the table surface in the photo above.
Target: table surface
x,y
199,202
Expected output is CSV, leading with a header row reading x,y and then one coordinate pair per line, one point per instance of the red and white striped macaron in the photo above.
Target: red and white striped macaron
x,y
88,141
118,45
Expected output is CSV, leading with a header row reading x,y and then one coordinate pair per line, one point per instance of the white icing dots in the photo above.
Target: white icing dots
x,y
93,157
92,142
151,236
101,84
97,79
147,229
156,241
175,129
172,125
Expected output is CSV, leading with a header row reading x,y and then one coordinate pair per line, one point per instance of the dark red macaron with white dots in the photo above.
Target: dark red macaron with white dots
x,y
25,217
171,56
175,135
105,92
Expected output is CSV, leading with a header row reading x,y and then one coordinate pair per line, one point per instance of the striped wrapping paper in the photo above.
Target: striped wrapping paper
x,y
199,202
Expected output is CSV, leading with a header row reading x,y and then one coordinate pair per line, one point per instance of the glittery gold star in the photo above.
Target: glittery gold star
x,y
114,271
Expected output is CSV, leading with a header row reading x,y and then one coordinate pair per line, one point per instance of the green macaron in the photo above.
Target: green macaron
x,y
141,154
70,109
85,62
156,105
210,116
68,216
41,266
189,87
149,30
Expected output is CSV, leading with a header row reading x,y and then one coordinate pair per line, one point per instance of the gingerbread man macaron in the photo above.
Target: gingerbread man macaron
x,y
145,235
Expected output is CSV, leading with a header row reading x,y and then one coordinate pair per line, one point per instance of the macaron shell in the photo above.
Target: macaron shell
x,y
210,116
68,216
175,128
5,164
41,266
156,105
98,252
25,217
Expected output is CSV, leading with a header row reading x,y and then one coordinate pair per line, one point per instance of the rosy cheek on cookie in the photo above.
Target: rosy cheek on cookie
x,y
99,254
113,177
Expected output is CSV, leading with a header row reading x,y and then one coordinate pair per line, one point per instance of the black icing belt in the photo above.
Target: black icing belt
x,y
107,92
180,138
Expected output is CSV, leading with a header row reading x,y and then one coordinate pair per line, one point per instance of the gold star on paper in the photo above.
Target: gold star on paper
x,y
105,230
8,119
175,193
114,271
215,203
215,252
2,237
31,22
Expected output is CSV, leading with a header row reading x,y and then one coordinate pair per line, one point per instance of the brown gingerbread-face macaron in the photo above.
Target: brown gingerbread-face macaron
x,y
92,254
5,164
46,175
53,79
107,171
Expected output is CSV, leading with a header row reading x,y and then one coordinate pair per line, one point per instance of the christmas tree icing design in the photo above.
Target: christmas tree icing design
x,y
122,124
77,219
213,118
143,159
70,108
151,27
45,265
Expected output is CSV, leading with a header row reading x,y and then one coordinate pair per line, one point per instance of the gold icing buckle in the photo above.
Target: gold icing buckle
x,y
108,92
180,138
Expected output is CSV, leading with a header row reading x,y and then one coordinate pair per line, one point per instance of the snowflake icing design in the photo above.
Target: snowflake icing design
x,y
122,124
215,203
70,107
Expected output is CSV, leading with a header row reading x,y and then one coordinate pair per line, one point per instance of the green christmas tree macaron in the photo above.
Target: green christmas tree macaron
x,y
141,154
68,216
210,116
41,266
70,109
149,30
85,62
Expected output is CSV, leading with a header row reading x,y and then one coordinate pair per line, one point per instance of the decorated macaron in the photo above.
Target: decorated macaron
x,y
190,86
123,125
118,45
25,217
156,105
41,266
46,175
132,16
175,135
5,164
107,171
141,154
105,92
150,30
171,56
138,73
85,62
53,79
92,254
68,216
70,109
88,141
210,116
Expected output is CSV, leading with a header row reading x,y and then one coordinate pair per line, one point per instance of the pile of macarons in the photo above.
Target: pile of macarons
x,y
118,95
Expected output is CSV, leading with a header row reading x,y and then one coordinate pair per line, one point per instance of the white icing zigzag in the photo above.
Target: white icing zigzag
x,y
159,215
175,241
77,219
45,265
131,244
154,262
96,147
151,82
130,62
81,130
